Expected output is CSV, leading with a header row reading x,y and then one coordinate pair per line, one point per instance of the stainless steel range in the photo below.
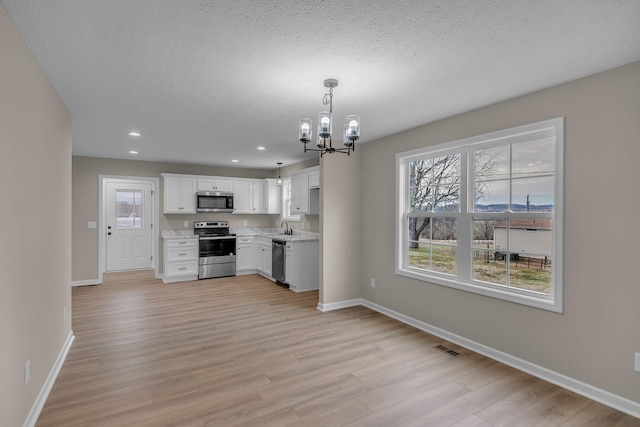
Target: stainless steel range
x,y
217,249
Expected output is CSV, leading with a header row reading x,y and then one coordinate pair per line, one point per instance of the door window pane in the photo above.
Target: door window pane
x,y
128,209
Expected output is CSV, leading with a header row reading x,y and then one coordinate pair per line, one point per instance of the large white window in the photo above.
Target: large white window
x,y
484,214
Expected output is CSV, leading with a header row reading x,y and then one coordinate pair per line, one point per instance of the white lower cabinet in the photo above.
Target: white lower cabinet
x,y
180,260
254,254
302,265
263,257
245,255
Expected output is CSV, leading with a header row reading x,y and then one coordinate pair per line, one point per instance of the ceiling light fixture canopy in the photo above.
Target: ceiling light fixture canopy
x,y
350,130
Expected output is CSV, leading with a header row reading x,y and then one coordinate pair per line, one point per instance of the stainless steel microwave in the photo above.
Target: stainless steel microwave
x,y
214,201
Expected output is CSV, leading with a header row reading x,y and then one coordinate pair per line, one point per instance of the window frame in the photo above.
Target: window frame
x,y
463,279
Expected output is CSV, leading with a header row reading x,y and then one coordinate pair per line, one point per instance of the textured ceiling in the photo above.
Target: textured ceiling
x,y
208,81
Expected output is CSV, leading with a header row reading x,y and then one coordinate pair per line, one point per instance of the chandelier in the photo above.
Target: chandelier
x,y
350,130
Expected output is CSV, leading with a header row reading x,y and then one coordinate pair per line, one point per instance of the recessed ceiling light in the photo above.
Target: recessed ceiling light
x,y
261,148
133,152
235,161
134,133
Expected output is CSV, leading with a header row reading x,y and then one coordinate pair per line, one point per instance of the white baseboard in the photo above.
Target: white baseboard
x,y
38,404
341,304
85,282
617,402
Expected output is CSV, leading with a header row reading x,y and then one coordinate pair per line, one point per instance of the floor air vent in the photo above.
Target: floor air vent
x,y
448,351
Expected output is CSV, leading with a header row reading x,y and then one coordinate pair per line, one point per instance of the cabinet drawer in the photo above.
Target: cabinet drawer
x,y
187,253
185,268
248,240
181,243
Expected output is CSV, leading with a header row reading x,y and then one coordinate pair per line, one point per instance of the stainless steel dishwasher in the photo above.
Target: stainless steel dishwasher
x,y
278,260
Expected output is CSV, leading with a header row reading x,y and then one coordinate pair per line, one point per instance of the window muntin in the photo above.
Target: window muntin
x,y
502,192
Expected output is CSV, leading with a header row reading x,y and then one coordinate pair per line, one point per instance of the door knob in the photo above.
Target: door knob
x,y
109,227
109,234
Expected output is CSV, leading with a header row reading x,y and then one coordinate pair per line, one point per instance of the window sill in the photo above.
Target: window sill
x,y
531,299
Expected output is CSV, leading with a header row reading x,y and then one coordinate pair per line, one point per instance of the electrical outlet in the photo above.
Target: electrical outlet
x,y
27,372
302,224
245,222
373,282
186,224
637,362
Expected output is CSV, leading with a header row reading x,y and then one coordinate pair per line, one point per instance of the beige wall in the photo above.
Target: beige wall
x,y
86,172
35,255
595,339
340,222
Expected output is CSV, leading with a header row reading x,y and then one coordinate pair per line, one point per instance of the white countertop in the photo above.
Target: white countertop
x,y
271,233
180,234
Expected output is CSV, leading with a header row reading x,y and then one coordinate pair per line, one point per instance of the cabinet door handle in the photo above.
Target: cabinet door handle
x,y
182,254
182,268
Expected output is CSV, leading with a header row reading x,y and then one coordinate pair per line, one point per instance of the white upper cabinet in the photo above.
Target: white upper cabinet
x,y
305,191
254,196
300,193
257,199
314,177
250,196
272,199
243,196
215,184
179,194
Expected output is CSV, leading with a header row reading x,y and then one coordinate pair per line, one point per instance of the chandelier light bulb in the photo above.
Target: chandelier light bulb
x,y
304,130
324,124
345,136
354,125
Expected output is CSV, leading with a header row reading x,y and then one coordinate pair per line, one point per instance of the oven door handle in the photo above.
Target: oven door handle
x,y
218,238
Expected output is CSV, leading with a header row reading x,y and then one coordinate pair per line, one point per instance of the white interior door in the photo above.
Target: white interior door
x,y
129,234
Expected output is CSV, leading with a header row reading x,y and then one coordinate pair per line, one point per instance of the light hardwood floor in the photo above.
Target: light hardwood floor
x,y
243,351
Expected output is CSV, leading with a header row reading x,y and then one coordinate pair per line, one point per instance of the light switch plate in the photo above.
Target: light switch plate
x,y
92,224
637,362
186,224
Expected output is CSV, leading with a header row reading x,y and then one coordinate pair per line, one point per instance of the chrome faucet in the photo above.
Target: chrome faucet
x,y
287,230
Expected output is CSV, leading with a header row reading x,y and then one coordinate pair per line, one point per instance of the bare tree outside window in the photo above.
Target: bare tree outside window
x,y
434,185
